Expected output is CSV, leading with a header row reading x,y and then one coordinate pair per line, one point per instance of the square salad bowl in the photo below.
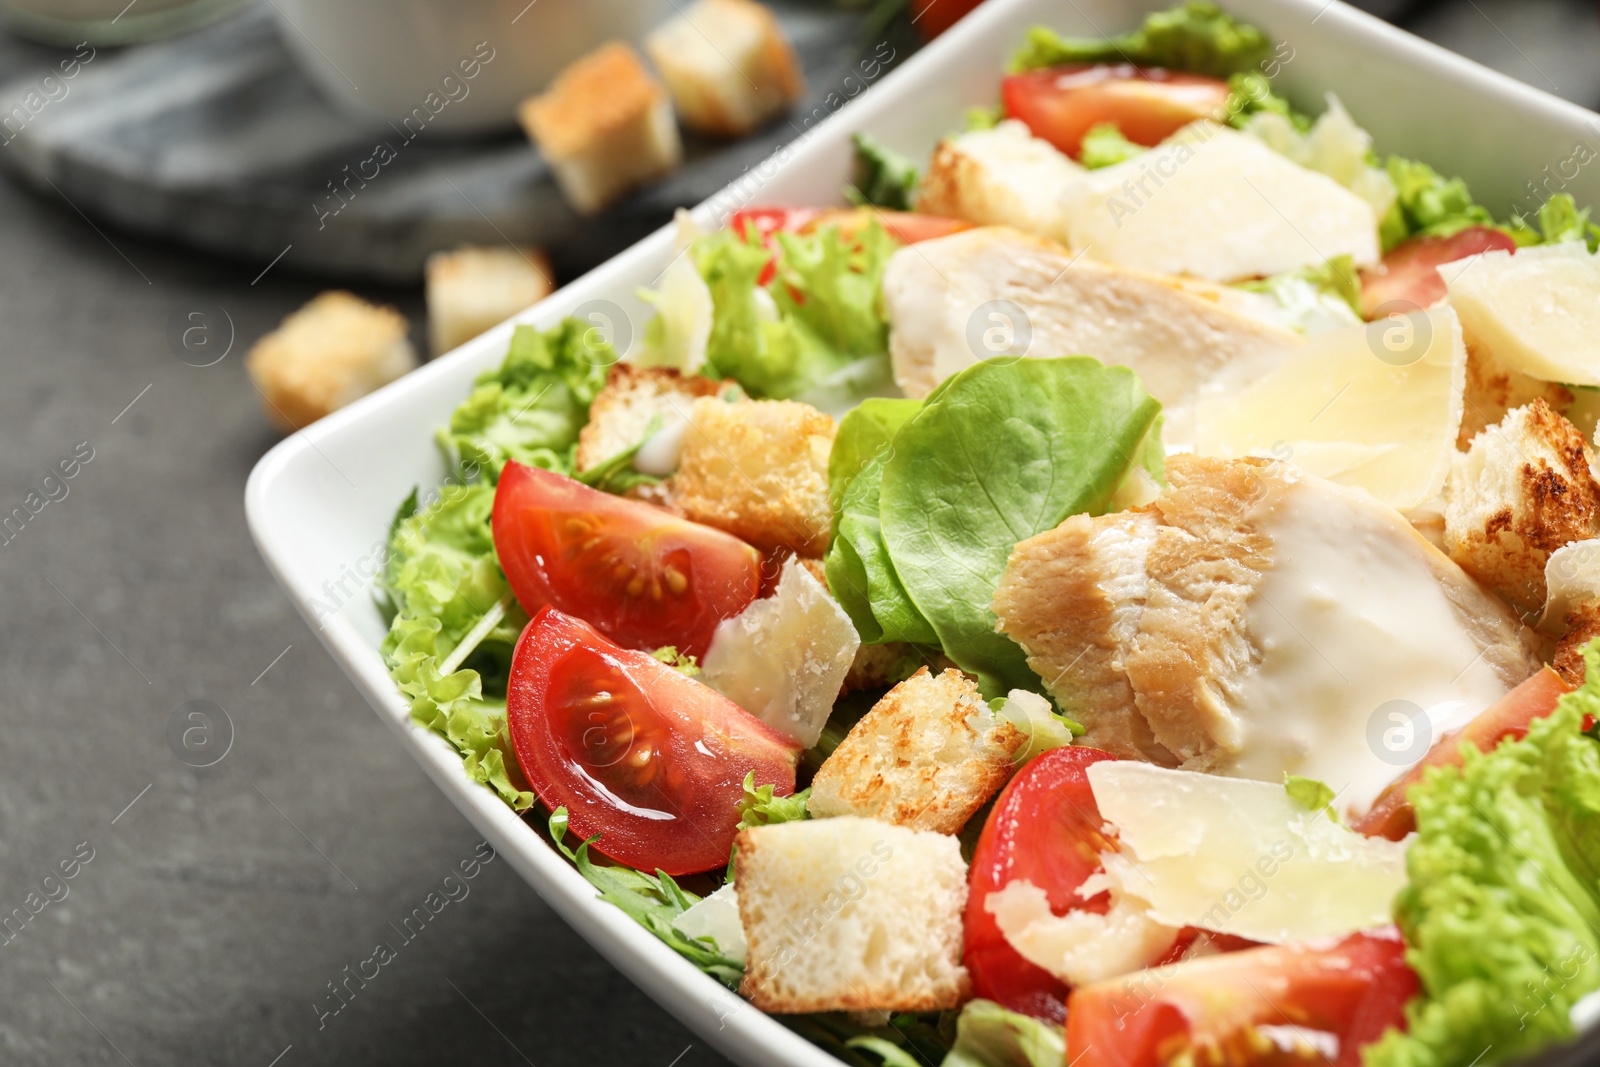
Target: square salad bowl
x,y
319,504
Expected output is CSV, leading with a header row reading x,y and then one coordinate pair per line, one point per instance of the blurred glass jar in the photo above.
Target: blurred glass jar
x,y
109,22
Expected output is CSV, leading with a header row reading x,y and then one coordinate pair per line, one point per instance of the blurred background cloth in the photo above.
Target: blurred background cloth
x,y
222,903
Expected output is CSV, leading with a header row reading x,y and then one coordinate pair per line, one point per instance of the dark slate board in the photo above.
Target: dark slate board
x,y
217,141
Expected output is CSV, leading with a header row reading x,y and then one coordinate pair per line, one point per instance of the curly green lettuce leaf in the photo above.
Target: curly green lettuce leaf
x,y
1427,203
1194,36
1071,430
531,408
982,118
1559,219
988,1035
681,662
1042,726
1104,146
816,317
882,178
454,624
1250,93
1502,911
652,901
758,807
1314,299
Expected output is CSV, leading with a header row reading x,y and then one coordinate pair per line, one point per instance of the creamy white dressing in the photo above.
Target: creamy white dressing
x,y
1363,660
661,451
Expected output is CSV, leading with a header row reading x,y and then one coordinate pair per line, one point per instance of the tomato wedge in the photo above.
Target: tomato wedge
x,y
1213,1009
637,752
1044,827
1148,104
1409,279
641,575
1391,815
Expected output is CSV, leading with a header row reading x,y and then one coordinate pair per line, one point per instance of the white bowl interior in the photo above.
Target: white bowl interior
x,y
319,504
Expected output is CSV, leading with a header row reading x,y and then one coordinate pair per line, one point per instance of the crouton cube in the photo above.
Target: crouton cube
x,y
632,399
605,126
472,289
759,470
728,66
336,349
1493,389
927,755
851,915
1525,488
1004,176
1583,626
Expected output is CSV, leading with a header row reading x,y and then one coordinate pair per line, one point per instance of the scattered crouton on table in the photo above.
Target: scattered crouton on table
x,y
472,289
605,126
728,66
336,349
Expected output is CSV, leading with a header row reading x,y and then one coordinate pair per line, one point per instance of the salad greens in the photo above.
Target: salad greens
x,y
883,177
652,901
1104,146
988,1035
812,320
863,433
862,576
758,807
532,407
1196,36
1070,429
455,623
1502,912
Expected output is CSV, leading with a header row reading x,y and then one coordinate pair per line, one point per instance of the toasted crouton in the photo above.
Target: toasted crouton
x,y
332,351
851,914
1493,389
759,470
472,289
1583,626
605,126
728,66
1525,488
633,398
1162,629
1004,176
928,755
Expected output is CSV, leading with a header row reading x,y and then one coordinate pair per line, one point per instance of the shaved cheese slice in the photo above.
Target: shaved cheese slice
x,y
1537,310
1571,576
783,659
681,329
1214,203
1080,947
716,917
1376,406
1239,857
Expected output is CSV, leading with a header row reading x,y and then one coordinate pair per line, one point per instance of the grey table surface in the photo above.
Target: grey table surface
x,y
219,903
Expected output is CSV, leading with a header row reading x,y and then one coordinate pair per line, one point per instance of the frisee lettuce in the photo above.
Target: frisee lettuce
x,y
652,901
532,406
758,807
1194,36
813,319
453,622
1502,911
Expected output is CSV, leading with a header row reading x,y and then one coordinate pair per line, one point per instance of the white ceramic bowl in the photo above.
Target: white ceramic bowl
x,y
320,502
381,59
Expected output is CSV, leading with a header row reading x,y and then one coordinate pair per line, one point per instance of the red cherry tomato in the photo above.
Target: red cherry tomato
x,y
637,752
641,575
1045,828
1391,815
1148,104
1207,1009
1409,279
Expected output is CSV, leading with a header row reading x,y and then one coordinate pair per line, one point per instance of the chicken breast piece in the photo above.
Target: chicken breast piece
x,y
991,291
1254,621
